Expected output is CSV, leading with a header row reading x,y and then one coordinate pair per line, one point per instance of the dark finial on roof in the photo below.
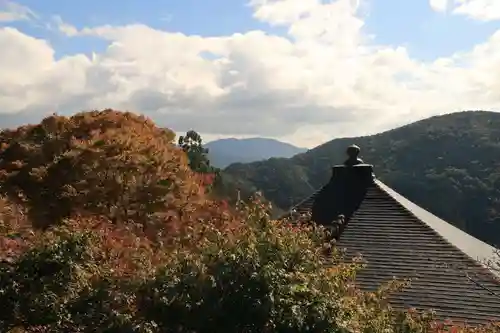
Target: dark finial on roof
x,y
353,153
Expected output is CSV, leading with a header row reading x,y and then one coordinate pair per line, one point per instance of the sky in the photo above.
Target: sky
x,y
302,71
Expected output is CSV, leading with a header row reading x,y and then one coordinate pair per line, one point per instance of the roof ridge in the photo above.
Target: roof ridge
x,y
475,254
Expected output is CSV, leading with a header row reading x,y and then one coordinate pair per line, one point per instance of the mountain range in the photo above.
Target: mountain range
x,y
449,165
224,152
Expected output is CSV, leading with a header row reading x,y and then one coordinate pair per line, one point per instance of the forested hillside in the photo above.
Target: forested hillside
x,y
447,164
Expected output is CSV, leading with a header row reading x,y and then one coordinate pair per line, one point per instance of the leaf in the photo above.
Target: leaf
x,y
165,182
99,143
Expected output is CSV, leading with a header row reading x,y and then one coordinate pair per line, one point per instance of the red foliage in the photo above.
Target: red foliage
x,y
15,231
115,175
116,165
208,179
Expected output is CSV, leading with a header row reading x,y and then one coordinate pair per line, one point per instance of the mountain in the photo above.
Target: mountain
x,y
449,165
228,151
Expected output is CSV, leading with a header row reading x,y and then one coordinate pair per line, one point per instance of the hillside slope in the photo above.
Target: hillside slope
x,y
228,151
448,164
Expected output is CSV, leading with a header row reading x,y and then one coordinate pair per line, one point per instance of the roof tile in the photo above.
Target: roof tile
x,y
395,242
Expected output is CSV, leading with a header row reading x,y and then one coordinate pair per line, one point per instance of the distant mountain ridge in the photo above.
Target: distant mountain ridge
x,y
224,152
449,165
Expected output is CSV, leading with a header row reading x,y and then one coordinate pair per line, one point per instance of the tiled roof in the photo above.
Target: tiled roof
x,y
473,247
399,239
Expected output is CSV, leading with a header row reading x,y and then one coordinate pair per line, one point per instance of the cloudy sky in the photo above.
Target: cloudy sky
x,y
304,71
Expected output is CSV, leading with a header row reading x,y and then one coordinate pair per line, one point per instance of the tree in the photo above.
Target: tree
x,y
192,144
109,163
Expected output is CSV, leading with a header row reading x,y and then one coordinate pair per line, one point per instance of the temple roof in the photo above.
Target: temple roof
x,y
398,239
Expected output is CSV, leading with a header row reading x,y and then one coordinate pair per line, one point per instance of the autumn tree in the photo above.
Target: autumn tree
x,y
109,163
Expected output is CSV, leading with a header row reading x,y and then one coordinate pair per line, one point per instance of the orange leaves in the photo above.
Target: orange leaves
x,y
110,165
121,250
15,231
107,162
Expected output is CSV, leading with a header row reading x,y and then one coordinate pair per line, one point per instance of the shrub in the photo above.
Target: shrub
x,y
262,277
69,280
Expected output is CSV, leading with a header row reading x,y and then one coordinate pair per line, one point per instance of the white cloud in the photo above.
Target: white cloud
x,y
481,10
328,79
439,5
11,11
63,27
283,12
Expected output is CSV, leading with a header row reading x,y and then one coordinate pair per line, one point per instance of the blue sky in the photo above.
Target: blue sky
x,y
427,34
309,70
192,17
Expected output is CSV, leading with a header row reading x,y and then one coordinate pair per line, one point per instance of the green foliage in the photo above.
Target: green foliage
x,y
445,164
269,278
192,144
60,287
36,286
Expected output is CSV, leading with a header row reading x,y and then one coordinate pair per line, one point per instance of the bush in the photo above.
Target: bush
x,y
261,277
268,278
70,280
